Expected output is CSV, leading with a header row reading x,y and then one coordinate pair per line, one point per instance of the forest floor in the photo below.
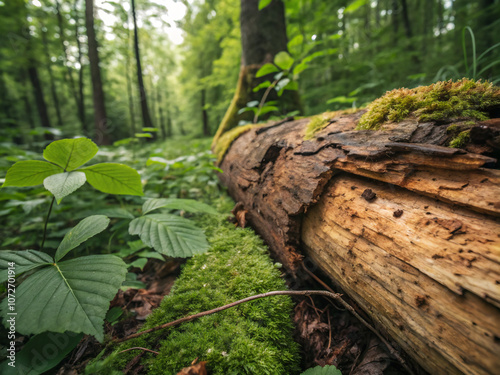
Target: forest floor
x,y
327,334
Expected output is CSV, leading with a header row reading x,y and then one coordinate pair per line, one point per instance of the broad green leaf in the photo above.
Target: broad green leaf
x,y
113,314
71,296
23,261
266,69
267,109
354,6
318,370
114,178
264,3
63,184
284,60
84,230
296,41
247,109
149,129
70,153
170,235
263,85
299,68
139,263
189,205
143,135
30,173
253,103
41,353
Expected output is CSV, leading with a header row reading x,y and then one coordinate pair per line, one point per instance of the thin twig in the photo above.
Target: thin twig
x,y
139,348
329,331
46,222
263,100
392,351
218,309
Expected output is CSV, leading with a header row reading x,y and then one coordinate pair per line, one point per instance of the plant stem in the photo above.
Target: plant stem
x,y
46,222
263,100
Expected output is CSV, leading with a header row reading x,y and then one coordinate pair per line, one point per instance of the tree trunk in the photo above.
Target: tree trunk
x,y
263,35
100,118
161,119
39,99
408,228
129,91
81,97
204,114
146,119
51,77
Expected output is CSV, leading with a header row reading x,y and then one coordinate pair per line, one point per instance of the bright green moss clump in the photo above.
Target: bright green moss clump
x,y
253,338
443,100
321,121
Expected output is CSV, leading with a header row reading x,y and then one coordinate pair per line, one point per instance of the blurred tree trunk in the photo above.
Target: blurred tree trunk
x,y
263,35
53,90
146,119
39,98
161,119
100,118
81,97
129,88
406,19
204,114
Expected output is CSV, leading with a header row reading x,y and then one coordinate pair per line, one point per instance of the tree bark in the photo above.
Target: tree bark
x,y
263,35
407,227
100,118
52,80
204,114
81,97
146,119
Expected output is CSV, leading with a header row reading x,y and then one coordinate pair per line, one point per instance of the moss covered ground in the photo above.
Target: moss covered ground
x,y
252,338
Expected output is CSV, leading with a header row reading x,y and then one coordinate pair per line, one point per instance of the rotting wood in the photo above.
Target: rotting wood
x,y
420,252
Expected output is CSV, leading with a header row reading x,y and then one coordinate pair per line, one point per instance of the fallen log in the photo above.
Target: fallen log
x,y
408,228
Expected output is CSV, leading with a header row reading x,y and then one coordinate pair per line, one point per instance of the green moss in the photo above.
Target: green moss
x,y
228,138
460,140
321,121
253,338
440,101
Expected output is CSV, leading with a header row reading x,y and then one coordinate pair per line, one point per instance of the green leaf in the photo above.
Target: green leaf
x,y
189,205
267,109
296,41
263,85
63,184
318,370
118,213
30,173
247,109
143,135
284,60
354,6
41,353
266,69
341,99
114,178
139,263
23,261
84,230
71,296
264,3
170,235
70,153
113,314
299,68
148,129
253,103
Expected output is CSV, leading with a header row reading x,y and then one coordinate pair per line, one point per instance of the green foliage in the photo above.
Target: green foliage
x,y
443,100
255,338
460,140
326,370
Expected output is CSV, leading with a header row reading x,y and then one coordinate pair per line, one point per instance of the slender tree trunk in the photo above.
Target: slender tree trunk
x,y
130,96
406,19
395,19
81,97
53,90
146,119
27,103
100,118
204,114
39,98
160,113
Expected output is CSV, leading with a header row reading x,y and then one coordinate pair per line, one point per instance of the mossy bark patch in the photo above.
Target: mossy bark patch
x,y
464,99
253,338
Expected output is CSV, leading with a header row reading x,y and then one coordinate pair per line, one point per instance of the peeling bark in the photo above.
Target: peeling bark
x,y
407,227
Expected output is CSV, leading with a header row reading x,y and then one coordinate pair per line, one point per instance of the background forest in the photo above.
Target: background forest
x,y
189,54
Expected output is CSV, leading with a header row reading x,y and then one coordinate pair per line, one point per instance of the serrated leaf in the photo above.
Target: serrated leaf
x,y
84,230
284,60
318,370
264,3
71,296
63,184
61,344
30,173
266,69
23,261
70,153
189,205
114,178
170,235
